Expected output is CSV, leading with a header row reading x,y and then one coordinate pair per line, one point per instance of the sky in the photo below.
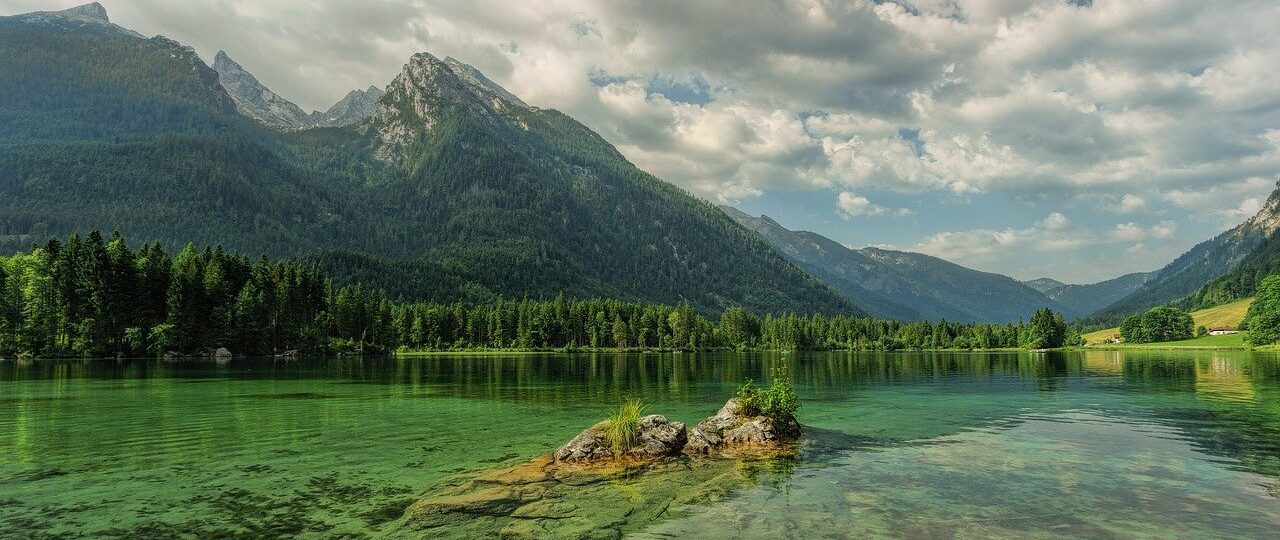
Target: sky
x,y
1068,139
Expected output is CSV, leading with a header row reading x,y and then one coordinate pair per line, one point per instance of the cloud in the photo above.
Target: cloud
x,y
1055,222
731,100
856,205
852,205
1152,109
1051,246
1131,203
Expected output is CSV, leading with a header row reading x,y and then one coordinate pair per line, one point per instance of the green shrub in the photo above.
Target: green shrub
x,y
748,398
623,425
779,401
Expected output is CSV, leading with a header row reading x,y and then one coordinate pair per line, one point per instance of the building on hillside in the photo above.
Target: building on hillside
x,y
1223,331
1116,338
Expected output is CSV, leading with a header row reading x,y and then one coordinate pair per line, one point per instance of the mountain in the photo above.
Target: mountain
x,y
1204,263
89,17
1093,297
255,100
355,107
1264,260
902,285
258,102
451,190
1045,285
829,261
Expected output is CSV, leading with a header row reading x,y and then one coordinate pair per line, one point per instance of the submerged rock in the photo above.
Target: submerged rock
x,y
545,499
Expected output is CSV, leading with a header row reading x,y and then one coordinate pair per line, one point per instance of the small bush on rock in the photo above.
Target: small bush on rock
x,y
779,401
748,397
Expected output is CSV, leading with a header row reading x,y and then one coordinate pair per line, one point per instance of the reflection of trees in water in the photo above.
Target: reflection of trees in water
x,y
1227,403
841,370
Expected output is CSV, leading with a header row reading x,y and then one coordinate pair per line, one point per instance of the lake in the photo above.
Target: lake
x,y
915,445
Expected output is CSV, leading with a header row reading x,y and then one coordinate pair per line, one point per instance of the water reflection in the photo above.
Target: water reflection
x,y
103,441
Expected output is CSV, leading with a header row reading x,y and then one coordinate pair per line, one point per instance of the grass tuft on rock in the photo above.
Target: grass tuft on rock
x,y
623,425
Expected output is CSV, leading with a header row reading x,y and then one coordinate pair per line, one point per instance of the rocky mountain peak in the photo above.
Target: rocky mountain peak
x,y
92,10
477,80
414,101
1267,220
255,100
91,17
356,106
221,60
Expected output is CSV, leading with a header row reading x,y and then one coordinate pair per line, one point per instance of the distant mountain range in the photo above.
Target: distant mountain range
x,y
444,187
260,103
903,285
1086,299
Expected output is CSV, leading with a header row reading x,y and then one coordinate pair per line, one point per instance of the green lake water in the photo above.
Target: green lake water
x,y
1007,445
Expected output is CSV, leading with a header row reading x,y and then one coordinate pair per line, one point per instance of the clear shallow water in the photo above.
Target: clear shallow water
x,y
1096,444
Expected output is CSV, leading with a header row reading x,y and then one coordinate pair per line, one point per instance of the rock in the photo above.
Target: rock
x,y
570,501
222,354
756,431
497,501
702,442
728,417
657,437
730,427
590,445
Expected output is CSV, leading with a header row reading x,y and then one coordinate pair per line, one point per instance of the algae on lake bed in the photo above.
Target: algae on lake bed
x,y
541,499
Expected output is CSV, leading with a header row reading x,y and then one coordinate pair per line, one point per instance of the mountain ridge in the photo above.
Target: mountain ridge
x,y
1202,264
887,282
260,103
484,198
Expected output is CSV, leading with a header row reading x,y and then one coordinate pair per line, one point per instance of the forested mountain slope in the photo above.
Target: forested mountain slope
x,y
903,285
1243,280
1204,263
454,189
1091,297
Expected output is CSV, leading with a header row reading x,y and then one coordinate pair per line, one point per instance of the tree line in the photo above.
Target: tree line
x,y
96,296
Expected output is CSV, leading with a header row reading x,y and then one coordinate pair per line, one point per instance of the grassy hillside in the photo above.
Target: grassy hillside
x,y
1225,315
1233,341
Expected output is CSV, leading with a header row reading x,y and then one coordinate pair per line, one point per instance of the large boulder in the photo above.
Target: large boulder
x,y
731,427
590,445
656,437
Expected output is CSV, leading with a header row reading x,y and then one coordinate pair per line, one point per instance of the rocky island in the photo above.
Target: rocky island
x,y
592,487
